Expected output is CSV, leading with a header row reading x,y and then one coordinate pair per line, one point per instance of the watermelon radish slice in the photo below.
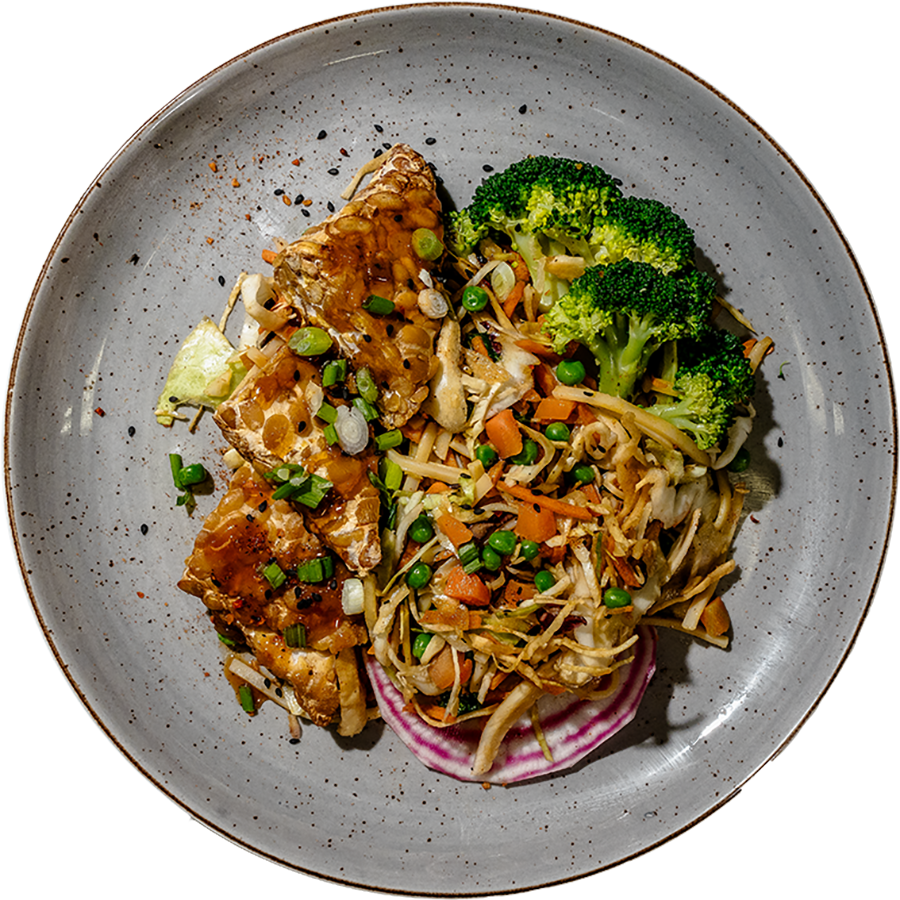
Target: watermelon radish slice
x,y
572,727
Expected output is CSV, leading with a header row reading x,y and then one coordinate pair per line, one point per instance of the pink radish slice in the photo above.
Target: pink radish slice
x,y
572,727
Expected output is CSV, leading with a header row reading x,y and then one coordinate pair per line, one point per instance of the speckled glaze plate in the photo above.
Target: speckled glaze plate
x,y
157,241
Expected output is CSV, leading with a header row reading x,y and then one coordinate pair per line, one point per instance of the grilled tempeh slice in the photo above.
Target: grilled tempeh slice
x,y
247,532
268,421
366,249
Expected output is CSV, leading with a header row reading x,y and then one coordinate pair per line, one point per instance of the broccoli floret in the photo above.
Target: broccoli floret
x,y
545,206
645,231
624,312
712,376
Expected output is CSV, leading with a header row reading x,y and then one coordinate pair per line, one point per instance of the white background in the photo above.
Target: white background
x,y
76,815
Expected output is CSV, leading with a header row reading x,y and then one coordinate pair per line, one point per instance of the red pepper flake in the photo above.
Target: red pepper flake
x,y
140,594
99,411
295,162
235,182
209,240
213,166
344,152
754,520
238,603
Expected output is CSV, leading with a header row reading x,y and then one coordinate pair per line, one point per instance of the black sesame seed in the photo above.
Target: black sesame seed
x,y
390,329
406,364
379,129
305,212
367,338
278,192
334,171
144,529
430,141
322,134
248,517
488,167
523,109
267,682
294,741
279,692
386,145
173,399
330,206
315,597
222,280
131,431
377,153
268,594
298,199
263,506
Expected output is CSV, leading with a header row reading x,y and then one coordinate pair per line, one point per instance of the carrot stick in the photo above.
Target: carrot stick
x,y
269,256
458,532
552,409
512,301
535,523
560,507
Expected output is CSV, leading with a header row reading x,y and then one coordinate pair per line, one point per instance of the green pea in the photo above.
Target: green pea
x,y
192,474
486,455
583,473
475,298
504,542
529,550
557,431
528,455
616,597
426,244
544,580
421,530
571,371
420,644
491,559
310,341
741,461
418,576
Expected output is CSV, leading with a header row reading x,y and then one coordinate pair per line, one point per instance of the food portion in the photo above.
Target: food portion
x,y
479,456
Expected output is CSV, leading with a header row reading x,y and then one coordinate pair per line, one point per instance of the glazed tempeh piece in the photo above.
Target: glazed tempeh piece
x,y
247,532
366,249
268,420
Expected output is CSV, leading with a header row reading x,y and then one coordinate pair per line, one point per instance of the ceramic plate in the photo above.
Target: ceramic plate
x,y
191,201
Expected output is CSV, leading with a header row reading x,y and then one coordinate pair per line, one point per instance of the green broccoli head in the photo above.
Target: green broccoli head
x,y
624,312
712,376
645,231
538,195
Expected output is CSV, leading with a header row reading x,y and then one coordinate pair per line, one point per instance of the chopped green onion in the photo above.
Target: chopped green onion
x,y
365,385
295,636
313,491
391,475
314,571
389,439
470,557
245,695
334,372
331,434
426,244
176,465
369,411
327,413
274,574
378,306
227,641
310,341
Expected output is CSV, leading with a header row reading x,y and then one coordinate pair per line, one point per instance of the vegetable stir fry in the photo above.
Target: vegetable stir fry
x,y
508,428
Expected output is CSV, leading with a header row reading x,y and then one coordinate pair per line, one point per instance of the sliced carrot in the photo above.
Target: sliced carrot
x,y
458,532
503,432
590,491
544,351
560,507
512,300
480,346
551,409
438,487
535,523
468,588
438,712
584,415
516,592
269,256
715,618
443,670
